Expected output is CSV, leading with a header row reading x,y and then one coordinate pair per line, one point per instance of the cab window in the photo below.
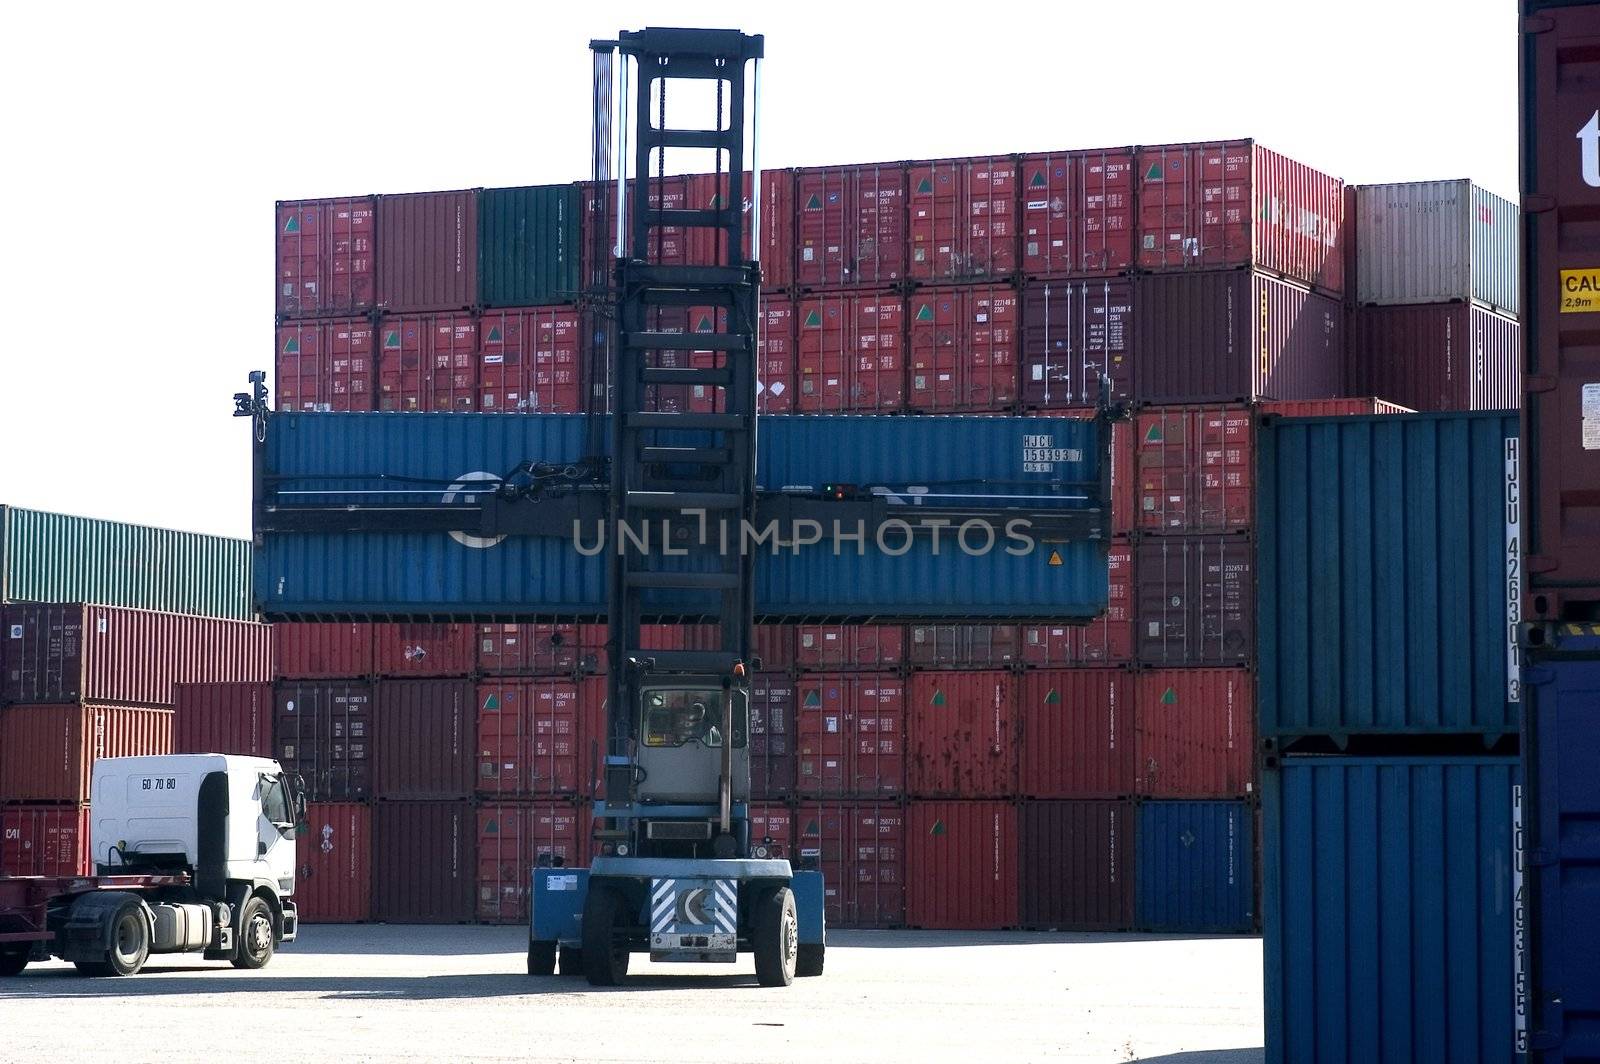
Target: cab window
x,y
275,801
676,716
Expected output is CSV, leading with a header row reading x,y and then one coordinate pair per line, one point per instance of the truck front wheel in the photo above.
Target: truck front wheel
x,y
130,944
13,960
256,941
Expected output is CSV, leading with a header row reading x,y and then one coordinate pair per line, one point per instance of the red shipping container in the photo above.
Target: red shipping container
x,y
1074,333
47,752
1077,212
333,857
1235,203
1195,600
1195,738
324,732
44,840
222,718
325,256
1121,464
1076,864
861,850
850,225
1235,336
667,243
676,245
316,651
1195,468
428,251
530,361
535,649
963,217
961,735
428,362
1106,640
1332,408
772,745
850,733
1077,729
850,646
530,737
776,347
326,365
963,349
423,868
423,649
1438,356
961,865
851,353
424,744
71,652
774,645
964,646
772,826
511,841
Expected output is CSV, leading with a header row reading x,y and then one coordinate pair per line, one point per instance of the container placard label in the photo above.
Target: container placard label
x,y
561,883
1513,562
1580,291
1591,417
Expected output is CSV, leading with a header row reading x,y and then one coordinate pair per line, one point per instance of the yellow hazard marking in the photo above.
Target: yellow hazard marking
x,y
1055,557
1580,291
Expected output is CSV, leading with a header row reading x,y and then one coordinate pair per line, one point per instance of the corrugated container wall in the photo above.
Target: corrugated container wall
x,y
50,557
1076,733
528,245
324,732
222,718
511,840
1194,600
428,251
1437,242
961,735
1388,899
1195,736
325,252
45,840
850,735
530,736
963,218
851,225
1077,212
315,650
333,864
1194,469
1073,333
1076,865
1195,868
47,752
424,743
326,365
423,869
1438,356
861,849
1382,557
961,865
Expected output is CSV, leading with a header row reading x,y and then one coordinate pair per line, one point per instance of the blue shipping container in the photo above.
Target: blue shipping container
x,y
1387,908
1386,573
345,458
1194,870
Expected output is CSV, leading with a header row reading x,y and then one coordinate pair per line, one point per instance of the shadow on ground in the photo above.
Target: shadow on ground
x,y
1209,1056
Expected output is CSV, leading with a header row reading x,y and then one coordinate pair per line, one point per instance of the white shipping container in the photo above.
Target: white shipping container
x,y
1436,242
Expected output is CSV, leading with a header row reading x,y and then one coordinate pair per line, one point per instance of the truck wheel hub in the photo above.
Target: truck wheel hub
x,y
258,935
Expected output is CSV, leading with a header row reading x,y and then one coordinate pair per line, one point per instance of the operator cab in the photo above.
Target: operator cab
x,y
681,731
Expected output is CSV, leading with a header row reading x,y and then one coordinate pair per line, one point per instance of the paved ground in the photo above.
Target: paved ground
x,y
448,993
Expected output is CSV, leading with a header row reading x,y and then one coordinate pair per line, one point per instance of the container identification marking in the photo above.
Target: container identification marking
x,y
1519,926
1513,564
1580,291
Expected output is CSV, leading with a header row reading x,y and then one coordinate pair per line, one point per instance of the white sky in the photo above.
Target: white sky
x,y
144,146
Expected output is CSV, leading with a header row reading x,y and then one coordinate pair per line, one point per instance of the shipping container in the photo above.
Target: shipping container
x,y
530,361
1388,897
427,251
528,245
1235,335
964,646
1193,733
423,649
961,865
72,652
1195,868
775,646
963,218
860,848
1075,864
326,365
851,226
1076,733
963,348
772,826
47,752
1194,469
772,736
326,256
333,864
1077,212
1235,203
324,731
776,350
45,840
1194,600
961,734
316,650
48,557
222,718
531,741
1436,242
850,646
1437,356
1106,640
424,746
423,865
1330,408
850,353
536,649
512,840
428,362
1074,333
850,731
1384,582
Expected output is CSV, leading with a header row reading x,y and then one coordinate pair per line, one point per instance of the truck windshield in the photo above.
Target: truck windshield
x,y
679,715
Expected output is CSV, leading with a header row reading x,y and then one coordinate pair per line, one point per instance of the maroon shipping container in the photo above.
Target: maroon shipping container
x,y
963,348
428,362
423,870
850,735
961,865
326,365
861,849
333,858
44,840
222,718
1331,408
961,735
1233,336
850,646
535,649
1076,865
428,251
964,646
772,826
1076,730
423,649
1195,738
850,353
325,256
775,645
424,746
850,225
772,745
324,732
1195,469
1077,212
1438,356
47,752
1074,333
529,361
319,651
71,652
530,737
1235,203
1106,640
668,244
511,840
1194,600
963,218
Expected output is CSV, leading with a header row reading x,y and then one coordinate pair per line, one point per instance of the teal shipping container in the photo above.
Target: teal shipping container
x,y
528,245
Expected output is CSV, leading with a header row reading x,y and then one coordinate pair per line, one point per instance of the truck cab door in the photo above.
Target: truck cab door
x,y
275,831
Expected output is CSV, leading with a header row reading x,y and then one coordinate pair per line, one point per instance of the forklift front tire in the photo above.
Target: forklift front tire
x,y
605,962
541,958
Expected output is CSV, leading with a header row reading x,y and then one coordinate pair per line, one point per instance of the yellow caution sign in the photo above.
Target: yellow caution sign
x,y
1055,557
1580,291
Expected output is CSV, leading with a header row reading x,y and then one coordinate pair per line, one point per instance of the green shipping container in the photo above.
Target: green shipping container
x,y
46,557
528,245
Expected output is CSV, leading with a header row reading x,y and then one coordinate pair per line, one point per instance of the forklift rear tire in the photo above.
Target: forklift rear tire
x,y
571,960
541,958
13,960
605,962
809,962
777,937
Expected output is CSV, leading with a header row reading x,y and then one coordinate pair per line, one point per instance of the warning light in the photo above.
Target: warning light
x,y
838,491
738,668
